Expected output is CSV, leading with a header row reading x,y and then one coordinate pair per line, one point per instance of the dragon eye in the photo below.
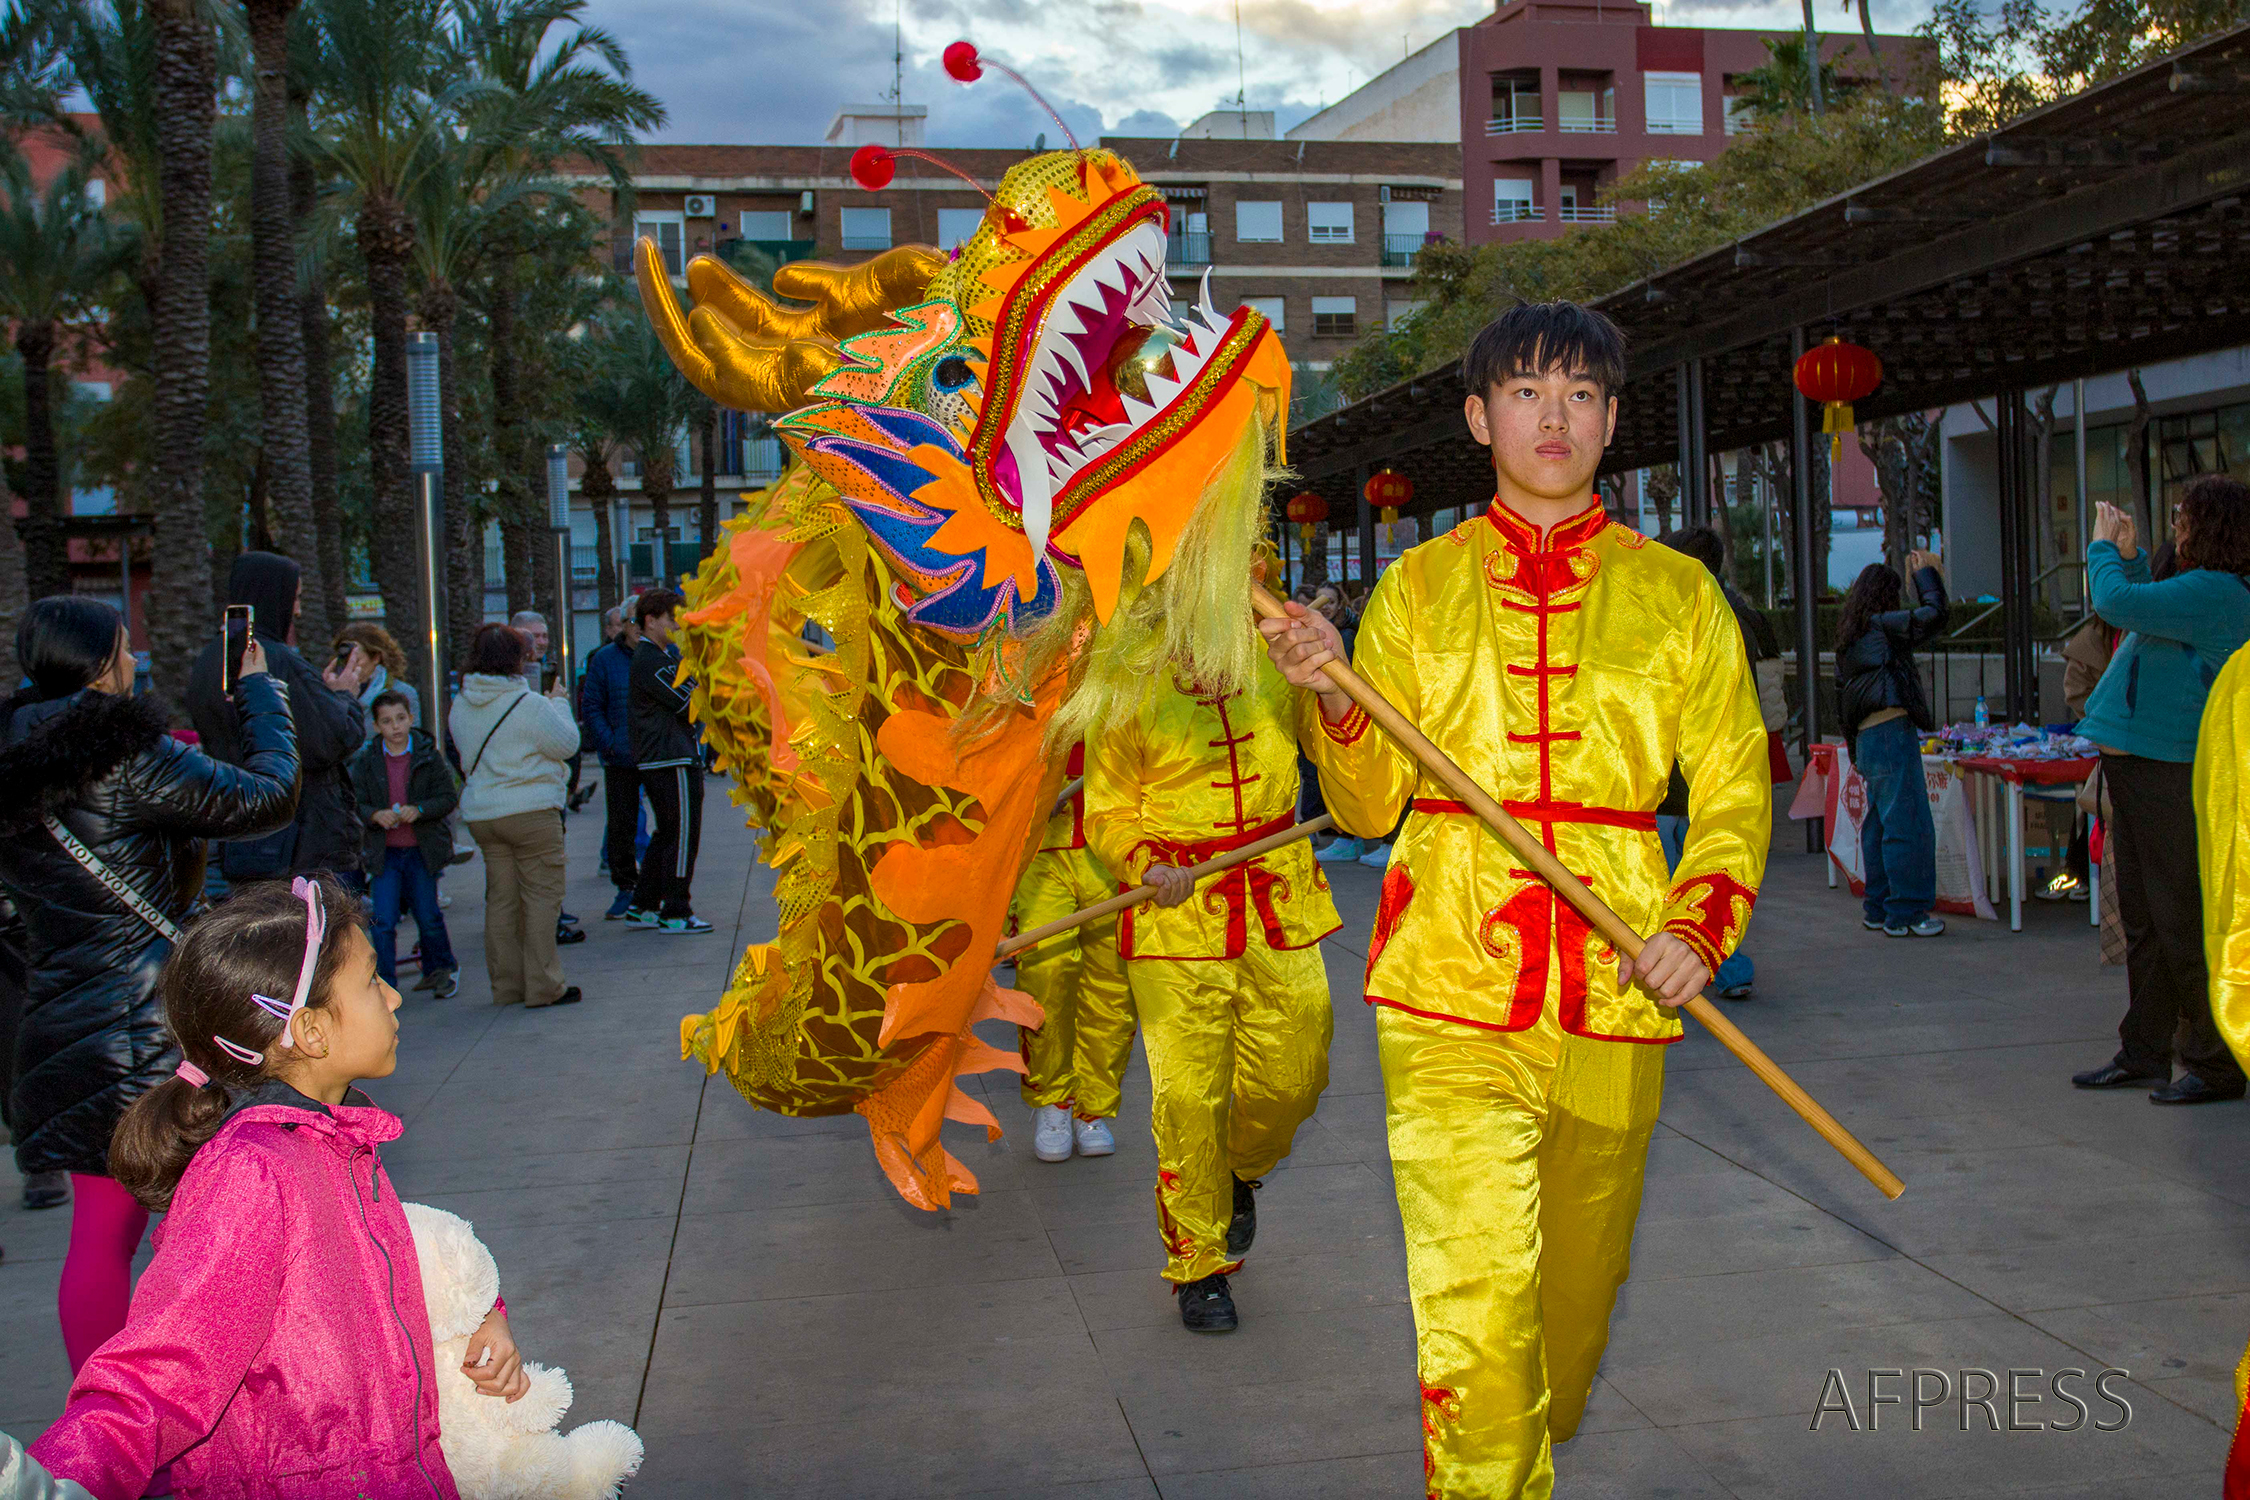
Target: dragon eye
x,y
953,373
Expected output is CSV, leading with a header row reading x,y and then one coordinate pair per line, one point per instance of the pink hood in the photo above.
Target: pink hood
x,y
277,1344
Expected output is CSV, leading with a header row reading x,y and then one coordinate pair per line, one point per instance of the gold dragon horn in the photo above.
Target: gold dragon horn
x,y
750,352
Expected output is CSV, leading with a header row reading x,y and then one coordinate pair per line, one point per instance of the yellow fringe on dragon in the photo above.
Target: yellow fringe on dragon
x,y
1021,479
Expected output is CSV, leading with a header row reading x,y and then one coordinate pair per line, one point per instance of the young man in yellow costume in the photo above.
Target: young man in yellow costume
x,y
2222,749
1229,985
1564,663
1075,1058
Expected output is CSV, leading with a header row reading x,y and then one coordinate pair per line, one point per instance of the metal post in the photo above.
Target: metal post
x,y
1698,500
1765,506
558,521
125,582
2085,584
426,434
1366,534
2011,432
1808,591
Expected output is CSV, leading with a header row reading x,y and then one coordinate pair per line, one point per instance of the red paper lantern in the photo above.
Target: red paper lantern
x,y
1387,492
961,64
1307,510
873,167
1836,374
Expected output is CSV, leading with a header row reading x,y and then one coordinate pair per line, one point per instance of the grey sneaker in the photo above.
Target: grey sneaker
x,y
1927,927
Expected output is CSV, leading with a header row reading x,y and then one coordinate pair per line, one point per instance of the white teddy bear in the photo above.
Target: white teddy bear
x,y
504,1450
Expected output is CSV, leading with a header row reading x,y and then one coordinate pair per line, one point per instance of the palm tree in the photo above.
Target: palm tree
x,y
184,97
56,251
312,324
571,98
381,105
285,449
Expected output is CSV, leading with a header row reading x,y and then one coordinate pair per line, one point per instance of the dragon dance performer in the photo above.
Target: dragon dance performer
x,y
1074,1059
2223,846
1565,664
1230,987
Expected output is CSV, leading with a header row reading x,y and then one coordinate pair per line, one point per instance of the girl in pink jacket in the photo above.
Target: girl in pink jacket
x,y
277,1345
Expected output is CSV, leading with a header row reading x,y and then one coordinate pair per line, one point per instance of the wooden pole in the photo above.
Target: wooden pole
x,y
1140,893
1608,923
1070,789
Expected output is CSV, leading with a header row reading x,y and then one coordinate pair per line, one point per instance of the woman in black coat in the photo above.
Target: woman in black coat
x,y
76,747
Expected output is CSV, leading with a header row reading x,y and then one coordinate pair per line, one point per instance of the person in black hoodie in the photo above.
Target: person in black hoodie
x,y
103,815
331,726
670,765
1884,713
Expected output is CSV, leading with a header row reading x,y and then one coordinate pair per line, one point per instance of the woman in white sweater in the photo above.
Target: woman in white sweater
x,y
515,745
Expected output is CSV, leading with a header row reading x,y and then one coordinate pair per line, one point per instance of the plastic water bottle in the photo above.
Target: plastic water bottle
x,y
1984,715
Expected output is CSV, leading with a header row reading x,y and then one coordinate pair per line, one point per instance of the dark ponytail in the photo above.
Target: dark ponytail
x,y
253,943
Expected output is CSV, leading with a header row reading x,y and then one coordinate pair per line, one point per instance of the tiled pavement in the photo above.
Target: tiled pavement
x,y
747,1291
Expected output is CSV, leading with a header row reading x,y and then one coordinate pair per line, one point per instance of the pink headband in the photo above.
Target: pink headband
x,y
195,1076
316,927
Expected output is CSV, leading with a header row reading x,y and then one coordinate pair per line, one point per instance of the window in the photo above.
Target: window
x,y
867,229
1334,317
769,224
1512,200
1740,116
1515,103
1586,109
1258,222
1675,103
1396,312
1329,223
1406,227
1274,308
956,224
668,230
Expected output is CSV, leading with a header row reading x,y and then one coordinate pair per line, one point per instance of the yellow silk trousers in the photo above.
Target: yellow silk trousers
x,y
1517,1158
1237,1057
1077,1055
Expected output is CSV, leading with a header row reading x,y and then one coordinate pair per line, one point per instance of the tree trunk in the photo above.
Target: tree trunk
x,y
15,595
46,550
1812,61
320,396
600,489
1867,29
656,489
518,558
386,242
707,504
513,499
1722,519
285,443
186,95
463,569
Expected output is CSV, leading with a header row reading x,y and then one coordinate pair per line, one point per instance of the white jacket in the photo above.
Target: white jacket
x,y
523,767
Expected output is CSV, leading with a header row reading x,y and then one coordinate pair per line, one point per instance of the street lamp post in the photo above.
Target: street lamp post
x,y
426,430
558,521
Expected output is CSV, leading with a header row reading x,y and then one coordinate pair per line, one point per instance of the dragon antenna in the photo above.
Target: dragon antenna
x,y
874,166
964,64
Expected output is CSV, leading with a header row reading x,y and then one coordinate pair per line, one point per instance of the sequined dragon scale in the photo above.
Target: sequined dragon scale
x,y
985,447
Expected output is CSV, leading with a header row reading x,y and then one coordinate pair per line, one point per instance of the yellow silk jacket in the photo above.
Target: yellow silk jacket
x,y
2223,846
1564,673
1189,777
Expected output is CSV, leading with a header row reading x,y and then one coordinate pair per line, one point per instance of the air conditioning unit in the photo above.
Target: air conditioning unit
x,y
805,202
1383,195
702,206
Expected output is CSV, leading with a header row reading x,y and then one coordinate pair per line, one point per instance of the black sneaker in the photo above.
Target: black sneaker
x,y
448,985
45,1190
1243,1227
565,936
1207,1306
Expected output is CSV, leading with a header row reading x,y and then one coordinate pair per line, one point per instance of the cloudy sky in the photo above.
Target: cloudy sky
x,y
775,71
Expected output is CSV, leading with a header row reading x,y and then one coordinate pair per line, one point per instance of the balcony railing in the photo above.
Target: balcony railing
x,y
1400,249
761,456
867,242
1587,127
1514,124
1188,247
1511,211
1589,213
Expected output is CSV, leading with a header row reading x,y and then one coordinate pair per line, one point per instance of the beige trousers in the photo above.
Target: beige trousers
x,y
523,892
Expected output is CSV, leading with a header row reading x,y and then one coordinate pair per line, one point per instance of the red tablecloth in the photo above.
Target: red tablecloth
x,y
2031,772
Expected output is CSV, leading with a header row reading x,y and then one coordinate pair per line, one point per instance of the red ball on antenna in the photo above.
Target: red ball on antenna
x,y
873,167
961,63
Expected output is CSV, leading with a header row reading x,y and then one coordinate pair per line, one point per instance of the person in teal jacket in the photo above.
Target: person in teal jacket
x,y
2143,715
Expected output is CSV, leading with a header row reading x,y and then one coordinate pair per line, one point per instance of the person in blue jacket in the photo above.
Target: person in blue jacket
x,y
2144,715
604,699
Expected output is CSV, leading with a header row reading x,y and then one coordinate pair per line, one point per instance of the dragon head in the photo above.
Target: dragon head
x,y
1033,402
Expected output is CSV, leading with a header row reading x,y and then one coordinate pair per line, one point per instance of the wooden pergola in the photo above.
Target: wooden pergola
x,y
2106,231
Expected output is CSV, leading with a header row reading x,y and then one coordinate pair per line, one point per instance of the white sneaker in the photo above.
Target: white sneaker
x,y
1094,1138
1050,1133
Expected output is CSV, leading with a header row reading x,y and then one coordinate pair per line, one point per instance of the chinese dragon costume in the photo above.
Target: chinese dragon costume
x,y
1020,481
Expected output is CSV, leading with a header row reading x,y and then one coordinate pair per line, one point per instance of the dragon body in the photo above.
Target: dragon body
x,y
1020,479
